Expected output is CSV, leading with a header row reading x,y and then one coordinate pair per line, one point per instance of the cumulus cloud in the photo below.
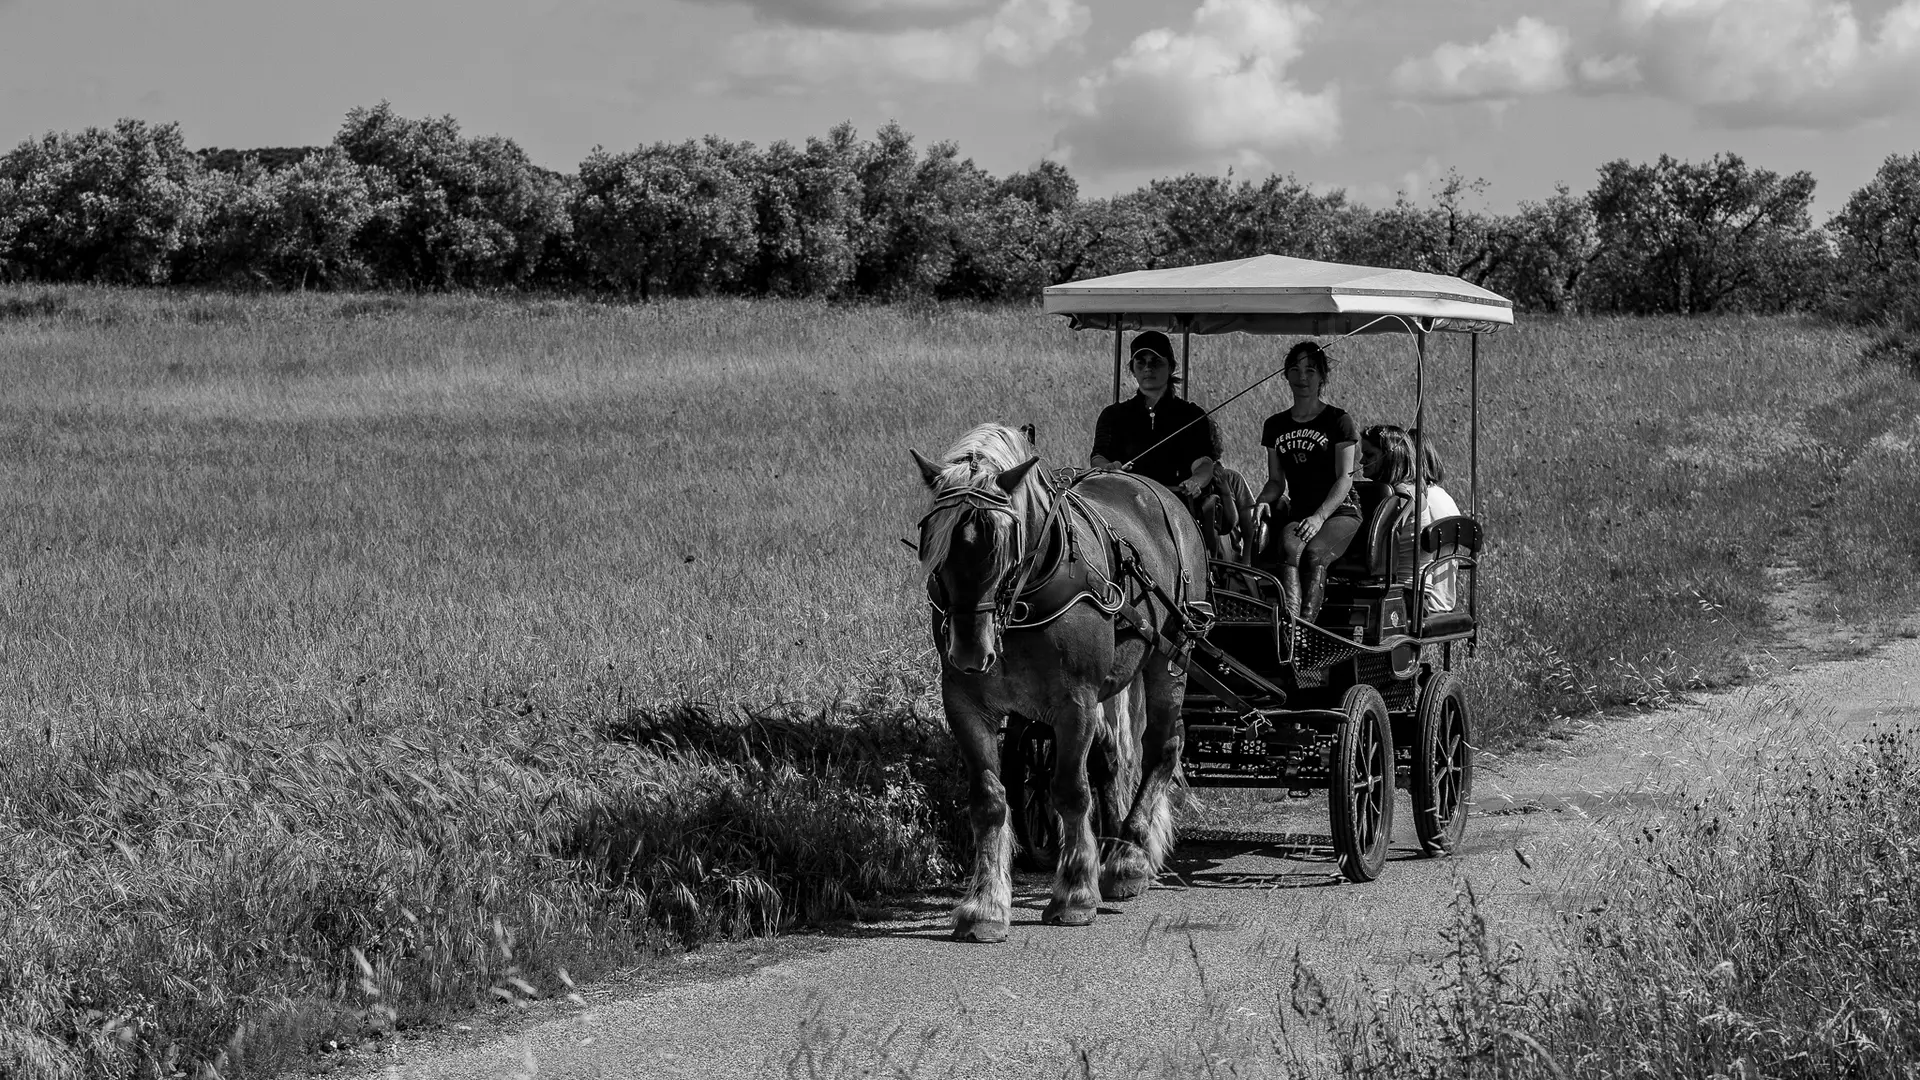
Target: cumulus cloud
x,y
1777,62
1217,93
1530,57
1808,63
1017,32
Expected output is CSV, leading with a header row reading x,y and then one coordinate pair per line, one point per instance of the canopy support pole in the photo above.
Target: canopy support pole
x,y
1418,599
1186,358
1116,359
1473,445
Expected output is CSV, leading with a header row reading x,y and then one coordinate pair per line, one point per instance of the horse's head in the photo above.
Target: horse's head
x,y
974,537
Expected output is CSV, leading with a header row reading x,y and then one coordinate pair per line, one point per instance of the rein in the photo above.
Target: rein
x,y
1128,466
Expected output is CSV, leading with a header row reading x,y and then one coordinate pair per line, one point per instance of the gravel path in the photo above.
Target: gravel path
x,y
1199,959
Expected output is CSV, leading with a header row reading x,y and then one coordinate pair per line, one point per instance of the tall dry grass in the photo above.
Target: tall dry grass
x,y
1763,930
374,623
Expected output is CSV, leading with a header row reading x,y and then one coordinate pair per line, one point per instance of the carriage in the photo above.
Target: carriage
x,y
1364,700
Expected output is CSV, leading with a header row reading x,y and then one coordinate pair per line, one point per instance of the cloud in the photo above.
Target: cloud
x,y
1796,63
868,16
1216,94
1531,57
1744,63
1017,33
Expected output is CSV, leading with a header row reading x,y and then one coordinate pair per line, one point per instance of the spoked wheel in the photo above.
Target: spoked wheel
x,y
1361,795
1026,771
1442,766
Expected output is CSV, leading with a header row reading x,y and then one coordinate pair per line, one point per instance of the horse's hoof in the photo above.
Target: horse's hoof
x,y
1058,914
1126,873
981,931
1124,888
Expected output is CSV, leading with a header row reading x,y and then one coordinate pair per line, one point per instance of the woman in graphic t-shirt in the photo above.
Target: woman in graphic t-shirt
x,y
1310,460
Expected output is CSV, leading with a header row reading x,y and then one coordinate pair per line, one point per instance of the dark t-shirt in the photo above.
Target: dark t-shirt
x,y
1127,428
1307,457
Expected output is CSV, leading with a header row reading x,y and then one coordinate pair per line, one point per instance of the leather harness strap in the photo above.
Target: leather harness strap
x,y
1068,576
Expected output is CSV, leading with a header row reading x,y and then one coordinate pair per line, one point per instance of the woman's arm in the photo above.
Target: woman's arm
x,y
1343,456
1275,487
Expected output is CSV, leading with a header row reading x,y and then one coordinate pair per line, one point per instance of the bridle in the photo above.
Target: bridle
x,y
1004,604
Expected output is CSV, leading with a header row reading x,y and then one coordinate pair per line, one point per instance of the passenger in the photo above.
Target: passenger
x,y
1386,455
1231,503
1310,463
1437,497
1132,430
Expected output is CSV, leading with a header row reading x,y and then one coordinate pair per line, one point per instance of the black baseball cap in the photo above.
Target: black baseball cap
x,y
1152,341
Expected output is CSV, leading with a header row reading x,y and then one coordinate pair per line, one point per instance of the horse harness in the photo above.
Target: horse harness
x,y
1053,573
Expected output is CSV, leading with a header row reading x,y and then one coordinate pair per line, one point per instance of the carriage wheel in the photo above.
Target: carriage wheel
x,y
1026,771
1360,798
1442,766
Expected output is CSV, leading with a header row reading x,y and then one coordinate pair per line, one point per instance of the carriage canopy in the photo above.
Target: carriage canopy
x,y
1278,294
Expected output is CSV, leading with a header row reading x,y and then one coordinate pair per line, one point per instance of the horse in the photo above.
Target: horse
x,y
1067,603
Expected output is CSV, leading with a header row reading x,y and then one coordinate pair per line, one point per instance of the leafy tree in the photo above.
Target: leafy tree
x,y
1877,271
1048,187
1097,237
111,205
677,218
953,211
1000,250
887,255
1285,217
271,158
1682,237
454,211
1540,253
294,227
807,207
1196,218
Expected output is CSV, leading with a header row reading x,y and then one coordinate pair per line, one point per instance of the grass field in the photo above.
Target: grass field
x,y
403,625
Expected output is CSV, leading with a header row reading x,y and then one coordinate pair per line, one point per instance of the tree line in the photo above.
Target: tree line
x,y
404,203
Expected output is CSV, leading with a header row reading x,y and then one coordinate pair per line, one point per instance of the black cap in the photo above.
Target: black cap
x,y
1152,341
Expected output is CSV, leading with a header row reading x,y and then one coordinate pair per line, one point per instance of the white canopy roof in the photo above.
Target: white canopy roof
x,y
1278,294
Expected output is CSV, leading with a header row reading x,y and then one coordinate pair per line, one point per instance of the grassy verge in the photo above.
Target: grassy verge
x,y
1766,930
357,645
242,902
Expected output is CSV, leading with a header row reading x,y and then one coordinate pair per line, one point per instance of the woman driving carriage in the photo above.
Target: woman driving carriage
x,y
1156,433
1310,461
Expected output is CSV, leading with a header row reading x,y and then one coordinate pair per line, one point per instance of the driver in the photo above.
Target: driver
x,y
1128,431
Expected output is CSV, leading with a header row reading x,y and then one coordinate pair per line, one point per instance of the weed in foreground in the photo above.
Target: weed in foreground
x,y
1761,933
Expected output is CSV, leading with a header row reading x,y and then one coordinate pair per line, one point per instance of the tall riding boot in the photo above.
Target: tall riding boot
x,y
1314,592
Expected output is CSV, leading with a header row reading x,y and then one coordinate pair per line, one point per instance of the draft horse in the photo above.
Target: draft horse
x,y
1067,602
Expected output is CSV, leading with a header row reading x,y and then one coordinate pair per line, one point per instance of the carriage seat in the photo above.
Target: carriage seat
x,y
1382,550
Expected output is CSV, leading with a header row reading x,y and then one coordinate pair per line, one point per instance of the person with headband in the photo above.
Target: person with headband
x,y
1132,431
1310,464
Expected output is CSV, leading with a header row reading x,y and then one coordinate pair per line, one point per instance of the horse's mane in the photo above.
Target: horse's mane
x,y
974,461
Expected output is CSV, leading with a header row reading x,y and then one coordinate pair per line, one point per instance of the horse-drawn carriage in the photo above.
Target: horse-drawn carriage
x,y
1361,701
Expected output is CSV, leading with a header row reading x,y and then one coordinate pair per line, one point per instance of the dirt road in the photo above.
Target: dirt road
x,y
1212,945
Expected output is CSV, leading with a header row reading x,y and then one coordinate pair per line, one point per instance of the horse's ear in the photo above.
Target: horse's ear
x,y
1033,437
929,472
1011,478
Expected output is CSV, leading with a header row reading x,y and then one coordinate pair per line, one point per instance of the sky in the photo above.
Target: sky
x,y
1377,97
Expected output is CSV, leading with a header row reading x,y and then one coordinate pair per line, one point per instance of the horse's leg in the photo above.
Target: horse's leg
x,y
1076,888
1147,836
987,908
